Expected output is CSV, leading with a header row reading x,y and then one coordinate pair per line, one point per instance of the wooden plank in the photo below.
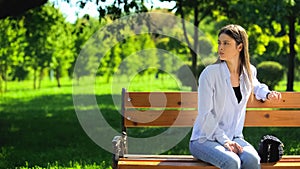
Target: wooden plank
x,y
186,118
163,165
159,157
189,100
281,166
274,118
290,158
166,118
285,158
161,99
289,100
188,158
195,165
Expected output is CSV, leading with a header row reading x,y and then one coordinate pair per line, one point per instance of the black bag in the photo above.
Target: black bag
x,y
270,149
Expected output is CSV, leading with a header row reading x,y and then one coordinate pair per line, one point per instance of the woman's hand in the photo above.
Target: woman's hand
x,y
234,147
274,96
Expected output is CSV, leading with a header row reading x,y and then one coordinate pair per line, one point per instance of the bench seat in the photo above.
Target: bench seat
x,y
136,161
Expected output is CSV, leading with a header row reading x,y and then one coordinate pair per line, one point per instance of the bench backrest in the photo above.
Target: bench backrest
x,y
179,109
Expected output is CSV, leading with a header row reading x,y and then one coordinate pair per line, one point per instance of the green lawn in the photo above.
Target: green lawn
x,y
282,86
40,129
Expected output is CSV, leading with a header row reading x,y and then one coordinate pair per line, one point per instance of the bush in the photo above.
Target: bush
x,y
270,73
186,77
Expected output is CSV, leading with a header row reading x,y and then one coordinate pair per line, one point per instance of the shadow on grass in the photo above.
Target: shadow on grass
x,y
45,130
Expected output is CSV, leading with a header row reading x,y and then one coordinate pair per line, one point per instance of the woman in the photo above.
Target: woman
x,y
224,89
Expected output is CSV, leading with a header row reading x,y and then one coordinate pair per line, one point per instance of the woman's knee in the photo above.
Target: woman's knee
x,y
250,161
232,163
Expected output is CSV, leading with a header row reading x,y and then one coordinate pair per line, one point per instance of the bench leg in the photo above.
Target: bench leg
x,y
114,164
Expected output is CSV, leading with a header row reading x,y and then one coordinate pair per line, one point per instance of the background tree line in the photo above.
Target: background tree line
x,y
41,43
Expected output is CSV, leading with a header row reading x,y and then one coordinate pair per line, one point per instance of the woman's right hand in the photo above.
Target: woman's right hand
x,y
234,147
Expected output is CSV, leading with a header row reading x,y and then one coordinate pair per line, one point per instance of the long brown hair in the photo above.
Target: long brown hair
x,y
239,34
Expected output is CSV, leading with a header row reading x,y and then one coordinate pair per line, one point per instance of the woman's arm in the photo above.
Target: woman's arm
x,y
261,91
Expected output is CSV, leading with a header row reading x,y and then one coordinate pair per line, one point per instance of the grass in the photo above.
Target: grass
x,y
282,86
40,129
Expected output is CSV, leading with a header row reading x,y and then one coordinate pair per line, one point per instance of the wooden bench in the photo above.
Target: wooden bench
x,y
285,113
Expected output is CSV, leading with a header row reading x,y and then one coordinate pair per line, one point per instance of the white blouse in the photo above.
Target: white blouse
x,y
220,116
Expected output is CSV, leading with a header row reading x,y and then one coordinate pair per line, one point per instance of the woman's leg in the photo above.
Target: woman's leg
x,y
249,157
215,154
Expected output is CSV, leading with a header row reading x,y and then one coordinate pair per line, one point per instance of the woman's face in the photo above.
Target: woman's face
x,y
227,48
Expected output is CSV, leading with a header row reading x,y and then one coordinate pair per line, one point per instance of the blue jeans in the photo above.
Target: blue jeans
x,y
217,155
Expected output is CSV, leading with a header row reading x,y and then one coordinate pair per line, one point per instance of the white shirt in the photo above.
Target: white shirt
x,y
220,116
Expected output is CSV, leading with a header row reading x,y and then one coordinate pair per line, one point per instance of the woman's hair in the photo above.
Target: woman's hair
x,y
239,34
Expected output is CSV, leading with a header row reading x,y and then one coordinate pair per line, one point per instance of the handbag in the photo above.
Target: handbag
x,y
270,149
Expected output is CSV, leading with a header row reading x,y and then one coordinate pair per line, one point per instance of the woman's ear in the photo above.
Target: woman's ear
x,y
240,47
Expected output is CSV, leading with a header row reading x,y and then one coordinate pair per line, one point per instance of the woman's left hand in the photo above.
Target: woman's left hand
x,y
234,147
274,96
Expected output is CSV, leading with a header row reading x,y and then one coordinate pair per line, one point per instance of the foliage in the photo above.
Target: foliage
x,y
84,28
282,24
196,11
12,51
270,72
41,43
183,76
51,44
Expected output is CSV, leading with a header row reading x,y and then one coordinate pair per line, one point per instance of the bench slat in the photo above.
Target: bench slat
x,y
128,157
187,161
272,118
160,118
138,164
159,157
181,165
161,99
189,100
289,100
186,118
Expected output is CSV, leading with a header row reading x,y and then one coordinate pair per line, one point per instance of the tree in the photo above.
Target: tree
x,y
287,15
199,10
50,41
12,42
61,43
85,27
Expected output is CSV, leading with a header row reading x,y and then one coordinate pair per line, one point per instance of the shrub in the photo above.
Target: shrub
x,y
186,77
270,73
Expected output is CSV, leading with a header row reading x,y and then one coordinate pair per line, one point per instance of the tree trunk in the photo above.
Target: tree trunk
x,y
195,46
1,80
291,59
34,78
41,75
5,77
57,76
